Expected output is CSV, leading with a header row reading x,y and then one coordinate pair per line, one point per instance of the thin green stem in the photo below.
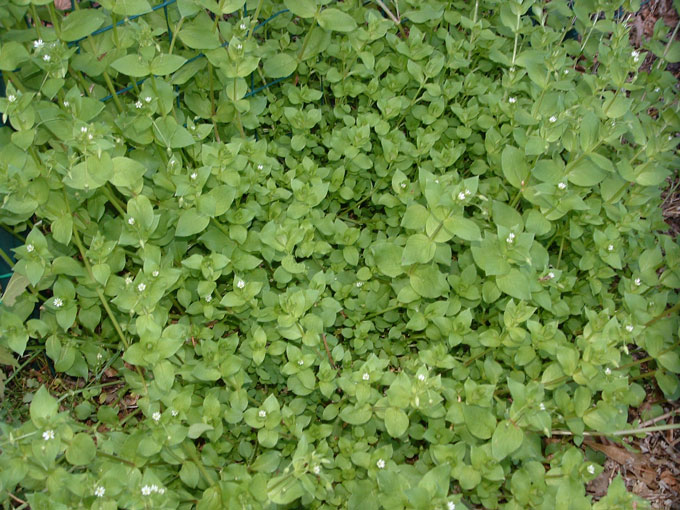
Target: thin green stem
x,y
36,20
6,258
112,90
21,367
307,36
55,19
257,13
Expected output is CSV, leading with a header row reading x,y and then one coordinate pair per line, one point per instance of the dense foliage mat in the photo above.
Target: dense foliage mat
x,y
413,273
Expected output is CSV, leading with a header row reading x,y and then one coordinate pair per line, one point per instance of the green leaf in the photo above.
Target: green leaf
x,y
81,451
301,8
131,65
16,286
586,173
387,257
191,222
43,407
506,439
428,281
91,174
479,420
419,249
280,65
130,7
166,64
514,166
336,20
356,415
198,33
171,134
229,6
589,131
396,421
12,54
515,284
81,23
464,228
127,174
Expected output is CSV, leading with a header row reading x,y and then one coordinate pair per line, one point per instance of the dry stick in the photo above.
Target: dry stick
x,y
659,418
328,351
640,430
17,499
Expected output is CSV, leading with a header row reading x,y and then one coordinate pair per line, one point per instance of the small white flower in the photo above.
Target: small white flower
x,y
607,371
48,434
591,469
262,413
138,104
99,356
551,275
240,284
541,406
359,284
242,26
260,166
29,248
450,505
512,100
461,195
638,282
403,185
99,491
300,362
629,328
553,119
173,412
131,221
239,46
141,287
58,303
421,377
436,181
156,416
193,176
208,298
154,488
670,137
128,280
467,192
566,71
147,99
146,490
161,490
83,129
155,273
365,377
316,469
657,89
610,247
47,58
380,463
38,44
11,98
511,238
66,104
90,137
562,185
